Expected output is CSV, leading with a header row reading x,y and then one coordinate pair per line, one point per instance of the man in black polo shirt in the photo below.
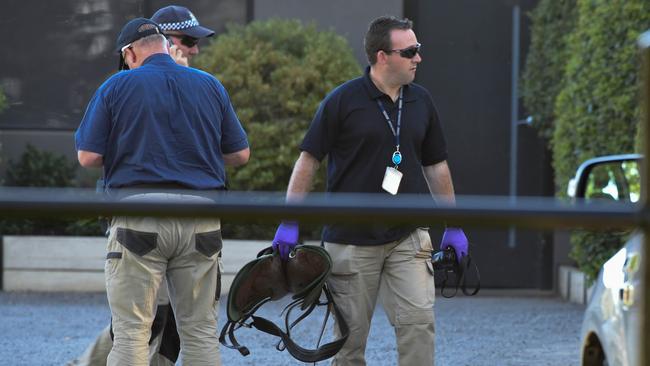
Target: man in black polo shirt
x,y
381,133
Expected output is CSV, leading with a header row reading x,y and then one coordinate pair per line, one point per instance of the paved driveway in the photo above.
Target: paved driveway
x,y
489,329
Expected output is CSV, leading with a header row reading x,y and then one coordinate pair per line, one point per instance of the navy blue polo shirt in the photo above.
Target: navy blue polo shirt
x,y
351,131
162,123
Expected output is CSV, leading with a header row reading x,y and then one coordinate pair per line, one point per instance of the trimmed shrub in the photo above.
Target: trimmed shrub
x,y
598,107
3,101
552,21
276,73
38,168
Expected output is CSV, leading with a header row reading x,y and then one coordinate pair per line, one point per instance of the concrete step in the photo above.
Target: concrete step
x,y
572,285
64,263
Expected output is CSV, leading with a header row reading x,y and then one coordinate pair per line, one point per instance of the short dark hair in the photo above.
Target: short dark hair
x,y
378,35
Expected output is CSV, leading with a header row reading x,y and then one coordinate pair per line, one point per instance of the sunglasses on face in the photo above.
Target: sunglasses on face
x,y
186,41
408,52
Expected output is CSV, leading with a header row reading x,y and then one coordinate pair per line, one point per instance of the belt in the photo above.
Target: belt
x,y
175,188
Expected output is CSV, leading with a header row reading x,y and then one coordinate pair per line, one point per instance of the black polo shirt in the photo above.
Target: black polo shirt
x,y
351,130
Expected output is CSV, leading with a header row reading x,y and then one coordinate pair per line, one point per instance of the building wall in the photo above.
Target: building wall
x,y
62,52
350,19
467,65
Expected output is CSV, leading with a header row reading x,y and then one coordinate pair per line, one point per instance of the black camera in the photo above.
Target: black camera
x,y
444,260
447,268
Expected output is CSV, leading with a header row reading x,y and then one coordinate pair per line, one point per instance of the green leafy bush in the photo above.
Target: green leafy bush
x,y
276,72
598,107
38,168
543,77
3,101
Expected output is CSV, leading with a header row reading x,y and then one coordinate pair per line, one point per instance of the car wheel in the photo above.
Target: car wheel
x,y
593,354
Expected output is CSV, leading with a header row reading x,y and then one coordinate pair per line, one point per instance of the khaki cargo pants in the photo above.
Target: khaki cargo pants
x,y
97,352
398,273
140,252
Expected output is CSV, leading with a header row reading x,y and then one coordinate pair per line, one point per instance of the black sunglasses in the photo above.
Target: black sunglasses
x,y
408,52
186,40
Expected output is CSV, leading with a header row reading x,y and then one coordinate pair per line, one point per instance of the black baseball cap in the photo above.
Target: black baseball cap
x,y
134,30
181,19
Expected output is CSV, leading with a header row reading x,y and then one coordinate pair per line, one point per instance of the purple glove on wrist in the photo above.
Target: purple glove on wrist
x,y
455,237
286,238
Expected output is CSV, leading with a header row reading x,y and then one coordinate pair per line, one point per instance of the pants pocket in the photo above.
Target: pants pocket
x,y
422,245
138,242
113,256
208,243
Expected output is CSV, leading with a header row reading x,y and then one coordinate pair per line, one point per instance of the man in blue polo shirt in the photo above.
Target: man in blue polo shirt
x,y
381,133
184,32
162,127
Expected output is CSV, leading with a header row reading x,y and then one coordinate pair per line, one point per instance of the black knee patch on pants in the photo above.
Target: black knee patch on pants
x,y
159,321
170,345
217,294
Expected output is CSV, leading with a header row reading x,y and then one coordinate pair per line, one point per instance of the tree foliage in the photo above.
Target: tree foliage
x,y
597,108
276,72
37,168
3,101
543,77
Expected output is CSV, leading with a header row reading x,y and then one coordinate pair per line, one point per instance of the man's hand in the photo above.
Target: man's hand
x,y
455,237
286,238
177,55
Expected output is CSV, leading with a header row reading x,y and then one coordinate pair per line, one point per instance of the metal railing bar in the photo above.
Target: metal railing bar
x,y
527,212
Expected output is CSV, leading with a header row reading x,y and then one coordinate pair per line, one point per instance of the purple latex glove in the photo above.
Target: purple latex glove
x,y
455,237
286,238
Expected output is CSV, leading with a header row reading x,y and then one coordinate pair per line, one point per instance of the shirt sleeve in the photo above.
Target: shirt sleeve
x,y
322,132
92,134
434,146
233,136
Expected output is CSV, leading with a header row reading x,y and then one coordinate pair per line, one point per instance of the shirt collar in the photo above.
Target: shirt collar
x,y
375,93
158,59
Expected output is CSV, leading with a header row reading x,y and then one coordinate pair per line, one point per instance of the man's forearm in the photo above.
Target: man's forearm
x,y
438,179
302,177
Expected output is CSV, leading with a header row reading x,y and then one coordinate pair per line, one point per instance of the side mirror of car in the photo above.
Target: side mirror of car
x,y
611,177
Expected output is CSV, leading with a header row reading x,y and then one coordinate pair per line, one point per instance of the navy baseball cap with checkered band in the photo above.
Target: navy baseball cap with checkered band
x,y
174,18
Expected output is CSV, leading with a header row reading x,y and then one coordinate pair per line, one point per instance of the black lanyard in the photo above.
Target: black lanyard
x,y
397,156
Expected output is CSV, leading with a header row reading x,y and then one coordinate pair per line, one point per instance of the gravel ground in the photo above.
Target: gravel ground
x,y
489,329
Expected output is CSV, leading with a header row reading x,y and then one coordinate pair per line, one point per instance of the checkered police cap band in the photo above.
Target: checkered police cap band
x,y
179,25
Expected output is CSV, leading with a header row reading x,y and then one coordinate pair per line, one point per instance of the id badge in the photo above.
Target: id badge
x,y
392,178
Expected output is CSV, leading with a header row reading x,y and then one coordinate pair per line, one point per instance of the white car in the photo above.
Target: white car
x,y
610,329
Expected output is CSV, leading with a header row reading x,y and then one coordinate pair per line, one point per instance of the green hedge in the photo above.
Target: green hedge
x,y
542,79
276,72
598,107
3,101
37,168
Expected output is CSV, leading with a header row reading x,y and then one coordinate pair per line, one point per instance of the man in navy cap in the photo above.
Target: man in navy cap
x,y
161,127
184,31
